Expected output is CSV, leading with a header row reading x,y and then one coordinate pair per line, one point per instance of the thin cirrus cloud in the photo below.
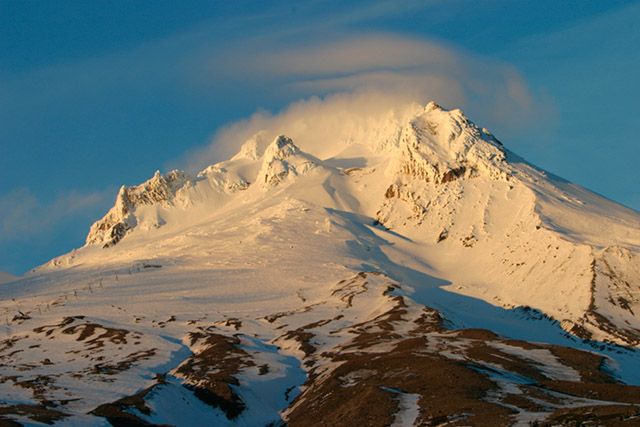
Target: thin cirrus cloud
x,y
196,66
366,75
23,215
356,54
393,63
341,85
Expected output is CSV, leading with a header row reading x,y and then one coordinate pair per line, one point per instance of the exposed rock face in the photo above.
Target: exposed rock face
x,y
119,220
436,148
211,371
280,160
283,159
614,298
440,146
220,178
455,182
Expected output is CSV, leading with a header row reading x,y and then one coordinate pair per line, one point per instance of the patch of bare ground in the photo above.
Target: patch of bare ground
x,y
20,318
545,392
607,416
593,382
120,413
629,336
275,316
430,320
40,413
39,386
231,322
45,411
357,392
211,371
459,375
77,325
122,365
163,323
93,338
7,422
303,338
450,392
346,290
8,344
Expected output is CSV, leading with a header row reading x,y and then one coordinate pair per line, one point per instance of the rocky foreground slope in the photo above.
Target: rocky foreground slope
x,y
427,276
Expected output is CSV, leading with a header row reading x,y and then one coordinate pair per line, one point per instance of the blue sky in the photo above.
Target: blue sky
x,y
94,95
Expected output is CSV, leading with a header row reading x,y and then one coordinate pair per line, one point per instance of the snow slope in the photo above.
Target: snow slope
x,y
251,290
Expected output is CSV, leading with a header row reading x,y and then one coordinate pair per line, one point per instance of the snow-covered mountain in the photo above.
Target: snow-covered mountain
x,y
416,273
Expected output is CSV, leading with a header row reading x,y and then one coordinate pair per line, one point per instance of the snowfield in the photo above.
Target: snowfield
x,y
416,273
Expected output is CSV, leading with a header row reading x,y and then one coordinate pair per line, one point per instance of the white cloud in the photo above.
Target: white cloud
x,y
342,116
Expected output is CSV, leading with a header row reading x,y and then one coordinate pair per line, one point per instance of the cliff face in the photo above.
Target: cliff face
x,y
440,146
160,189
281,160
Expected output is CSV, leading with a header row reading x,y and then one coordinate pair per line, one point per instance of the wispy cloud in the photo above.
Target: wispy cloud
x,y
366,79
387,62
23,215
272,64
319,63
358,54
354,116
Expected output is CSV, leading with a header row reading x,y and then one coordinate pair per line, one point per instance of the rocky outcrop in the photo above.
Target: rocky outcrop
x,y
440,146
283,159
221,179
120,219
612,313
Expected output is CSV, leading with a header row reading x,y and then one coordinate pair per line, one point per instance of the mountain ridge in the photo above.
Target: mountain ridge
x,y
297,279
438,147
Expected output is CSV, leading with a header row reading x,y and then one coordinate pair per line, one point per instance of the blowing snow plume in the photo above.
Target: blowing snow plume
x,y
352,85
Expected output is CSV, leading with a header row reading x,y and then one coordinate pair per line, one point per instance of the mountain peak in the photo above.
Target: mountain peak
x,y
281,160
281,148
120,219
435,145
440,145
432,105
